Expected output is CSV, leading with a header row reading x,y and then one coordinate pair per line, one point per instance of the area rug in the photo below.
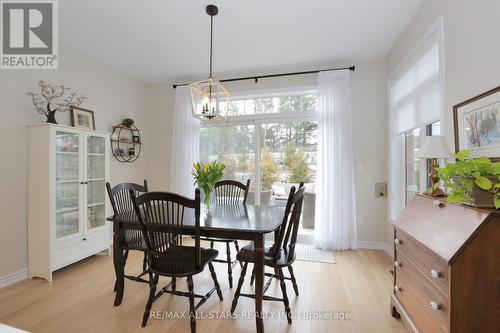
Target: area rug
x,y
308,252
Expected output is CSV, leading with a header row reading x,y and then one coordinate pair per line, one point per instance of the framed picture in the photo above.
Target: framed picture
x,y
82,118
136,139
477,125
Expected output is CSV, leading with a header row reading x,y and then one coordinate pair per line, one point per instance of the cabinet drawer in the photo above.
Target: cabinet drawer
x,y
427,262
426,293
417,312
80,249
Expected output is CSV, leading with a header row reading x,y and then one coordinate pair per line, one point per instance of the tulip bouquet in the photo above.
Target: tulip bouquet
x,y
205,176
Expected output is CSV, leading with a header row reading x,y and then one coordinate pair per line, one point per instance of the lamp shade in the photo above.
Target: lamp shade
x,y
209,99
434,147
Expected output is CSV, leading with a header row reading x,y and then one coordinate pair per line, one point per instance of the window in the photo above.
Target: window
x,y
416,170
290,103
270,140
416,104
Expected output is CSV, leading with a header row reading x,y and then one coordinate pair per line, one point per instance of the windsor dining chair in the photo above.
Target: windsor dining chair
x,y
279,255
161,216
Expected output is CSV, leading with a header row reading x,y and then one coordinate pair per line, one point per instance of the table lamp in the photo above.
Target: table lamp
x,y
434,147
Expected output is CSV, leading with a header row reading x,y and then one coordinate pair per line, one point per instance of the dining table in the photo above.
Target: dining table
x,y
239,222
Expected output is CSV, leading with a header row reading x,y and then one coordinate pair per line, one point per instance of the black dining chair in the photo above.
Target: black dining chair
x,y
161,216
279,255
228,192
120,199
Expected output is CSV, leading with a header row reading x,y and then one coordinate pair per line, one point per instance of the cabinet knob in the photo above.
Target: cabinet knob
x,y
397,264
435,305
396,288
84,239
435,274
397,241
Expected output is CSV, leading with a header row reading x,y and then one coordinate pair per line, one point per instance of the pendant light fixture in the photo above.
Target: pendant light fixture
x,y
209,98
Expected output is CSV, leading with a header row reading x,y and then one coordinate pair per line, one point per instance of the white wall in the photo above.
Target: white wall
x,y
369,133
471,49
112,95
160,106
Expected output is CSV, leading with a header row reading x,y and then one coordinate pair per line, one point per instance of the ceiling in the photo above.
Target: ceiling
x,y
159,40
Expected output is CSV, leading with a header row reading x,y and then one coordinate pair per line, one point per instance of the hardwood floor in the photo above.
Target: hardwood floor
x,y
80,299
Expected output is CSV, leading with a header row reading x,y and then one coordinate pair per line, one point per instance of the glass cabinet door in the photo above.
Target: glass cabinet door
x,y
67,183
96,187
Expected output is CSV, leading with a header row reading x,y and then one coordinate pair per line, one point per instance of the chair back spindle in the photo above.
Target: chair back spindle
x,y
119,196
231,192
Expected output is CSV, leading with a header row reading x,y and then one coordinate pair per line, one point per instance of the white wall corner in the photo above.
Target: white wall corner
x,y
383,246
15,277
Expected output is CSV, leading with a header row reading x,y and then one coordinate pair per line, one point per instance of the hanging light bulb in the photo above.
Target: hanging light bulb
x,y
208,97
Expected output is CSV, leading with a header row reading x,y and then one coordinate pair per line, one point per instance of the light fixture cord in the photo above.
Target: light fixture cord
x,y
211,41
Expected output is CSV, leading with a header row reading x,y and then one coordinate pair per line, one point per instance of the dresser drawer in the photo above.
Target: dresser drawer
x,y
432,299
418,313
427,262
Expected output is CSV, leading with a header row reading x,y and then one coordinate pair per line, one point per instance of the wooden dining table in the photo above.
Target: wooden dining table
x,y
239,222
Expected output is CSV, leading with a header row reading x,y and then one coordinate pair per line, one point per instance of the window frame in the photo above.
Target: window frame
x,y
425,168
265,118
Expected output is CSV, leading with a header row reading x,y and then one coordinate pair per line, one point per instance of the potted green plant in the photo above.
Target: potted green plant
x,y
128,122
474,181
205,176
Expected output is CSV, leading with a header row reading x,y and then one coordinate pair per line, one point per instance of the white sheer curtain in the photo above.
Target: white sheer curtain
x,y
335,223
185,144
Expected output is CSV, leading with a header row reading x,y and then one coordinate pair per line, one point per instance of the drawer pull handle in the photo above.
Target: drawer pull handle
x,y
435,274
397,264
397,241
435,306
437,203
396,288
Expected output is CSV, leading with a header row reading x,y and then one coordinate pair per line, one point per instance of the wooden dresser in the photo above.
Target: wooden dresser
x,y
447,268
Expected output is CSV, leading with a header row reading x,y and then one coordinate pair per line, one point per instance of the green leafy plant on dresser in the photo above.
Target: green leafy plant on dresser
x,y
473,181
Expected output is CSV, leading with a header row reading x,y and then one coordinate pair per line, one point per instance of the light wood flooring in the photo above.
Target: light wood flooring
x,y
80,299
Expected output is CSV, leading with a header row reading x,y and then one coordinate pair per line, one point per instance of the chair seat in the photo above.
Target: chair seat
x,y
246,254
180,261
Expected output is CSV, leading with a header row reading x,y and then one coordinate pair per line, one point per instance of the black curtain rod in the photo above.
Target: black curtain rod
x,y
256,78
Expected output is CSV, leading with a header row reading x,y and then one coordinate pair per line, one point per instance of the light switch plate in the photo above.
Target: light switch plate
x,y
380,190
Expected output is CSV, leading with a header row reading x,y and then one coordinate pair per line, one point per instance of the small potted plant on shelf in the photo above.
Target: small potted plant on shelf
x,y
205,176
128,122
473,181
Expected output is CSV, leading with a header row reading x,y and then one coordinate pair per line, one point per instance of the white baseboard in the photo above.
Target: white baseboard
x,y
12,278
376,246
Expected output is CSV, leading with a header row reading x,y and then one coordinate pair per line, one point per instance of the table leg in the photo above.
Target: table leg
x,y
259,280
118,263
